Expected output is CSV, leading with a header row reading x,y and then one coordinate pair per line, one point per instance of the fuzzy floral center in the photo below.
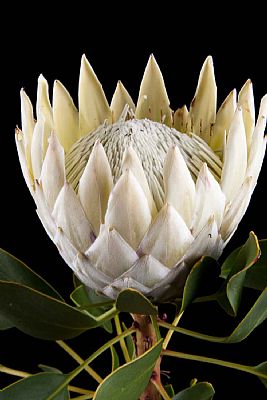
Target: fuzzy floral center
x,y
151,141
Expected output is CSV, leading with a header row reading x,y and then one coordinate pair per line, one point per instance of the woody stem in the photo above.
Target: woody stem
x,y
146,337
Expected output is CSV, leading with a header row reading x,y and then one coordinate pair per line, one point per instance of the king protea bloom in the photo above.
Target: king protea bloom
x,y
133,196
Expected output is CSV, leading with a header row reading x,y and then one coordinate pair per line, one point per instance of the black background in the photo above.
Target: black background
x,y
51,42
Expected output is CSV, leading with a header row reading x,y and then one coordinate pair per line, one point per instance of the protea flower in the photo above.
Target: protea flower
x,y
133,196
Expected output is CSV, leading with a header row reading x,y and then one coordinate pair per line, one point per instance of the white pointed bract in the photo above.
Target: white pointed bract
x,y
53,171
181,119
95,187
246,102
203,106
223,121
153,102
44,112
93,105
235,157
128,210
133,197
66,116
131,162
179,185
120,99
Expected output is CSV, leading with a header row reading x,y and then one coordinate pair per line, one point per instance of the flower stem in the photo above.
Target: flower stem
x,y
91,358
170,332
194,357
202,336
84,397
146,337
79,360
108,314
23,374
14,372
122,341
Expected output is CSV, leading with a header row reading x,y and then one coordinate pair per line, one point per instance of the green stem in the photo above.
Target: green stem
x,y
14,372
122,341
79,360
202,299
108,314
23,374
161,390
92,357
84,397
193,357
170,333
79,390
187,332
205,299
155,326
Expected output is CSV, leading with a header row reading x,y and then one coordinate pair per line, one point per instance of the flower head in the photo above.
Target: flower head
x,y
133,196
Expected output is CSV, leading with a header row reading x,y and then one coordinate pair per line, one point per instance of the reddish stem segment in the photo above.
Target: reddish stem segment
x,y
145,338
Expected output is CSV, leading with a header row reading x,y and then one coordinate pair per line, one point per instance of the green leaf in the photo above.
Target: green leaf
x,y
89,299
130,380
5,323
47,368
234,270
196,278
229,263
93,303
256,315
256,277
132,301
35,387
262,368
129,343
115,358
169,390
200,391
14,270
40,315
240,257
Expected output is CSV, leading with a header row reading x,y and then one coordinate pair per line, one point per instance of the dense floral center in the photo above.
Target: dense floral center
x,y
151,141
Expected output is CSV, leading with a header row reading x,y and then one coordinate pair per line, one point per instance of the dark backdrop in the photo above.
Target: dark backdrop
x,y
118,46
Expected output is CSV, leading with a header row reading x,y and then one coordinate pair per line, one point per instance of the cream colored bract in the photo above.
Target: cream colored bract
x,y
132,197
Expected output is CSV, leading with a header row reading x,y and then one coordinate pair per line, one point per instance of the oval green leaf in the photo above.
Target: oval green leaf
x,y
14,270
130,380
256,277
200,391
256,315
132,301
41,316
5,323
263,369
114,358
235,269
48,368
89,301
197,276
241,257
35,387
